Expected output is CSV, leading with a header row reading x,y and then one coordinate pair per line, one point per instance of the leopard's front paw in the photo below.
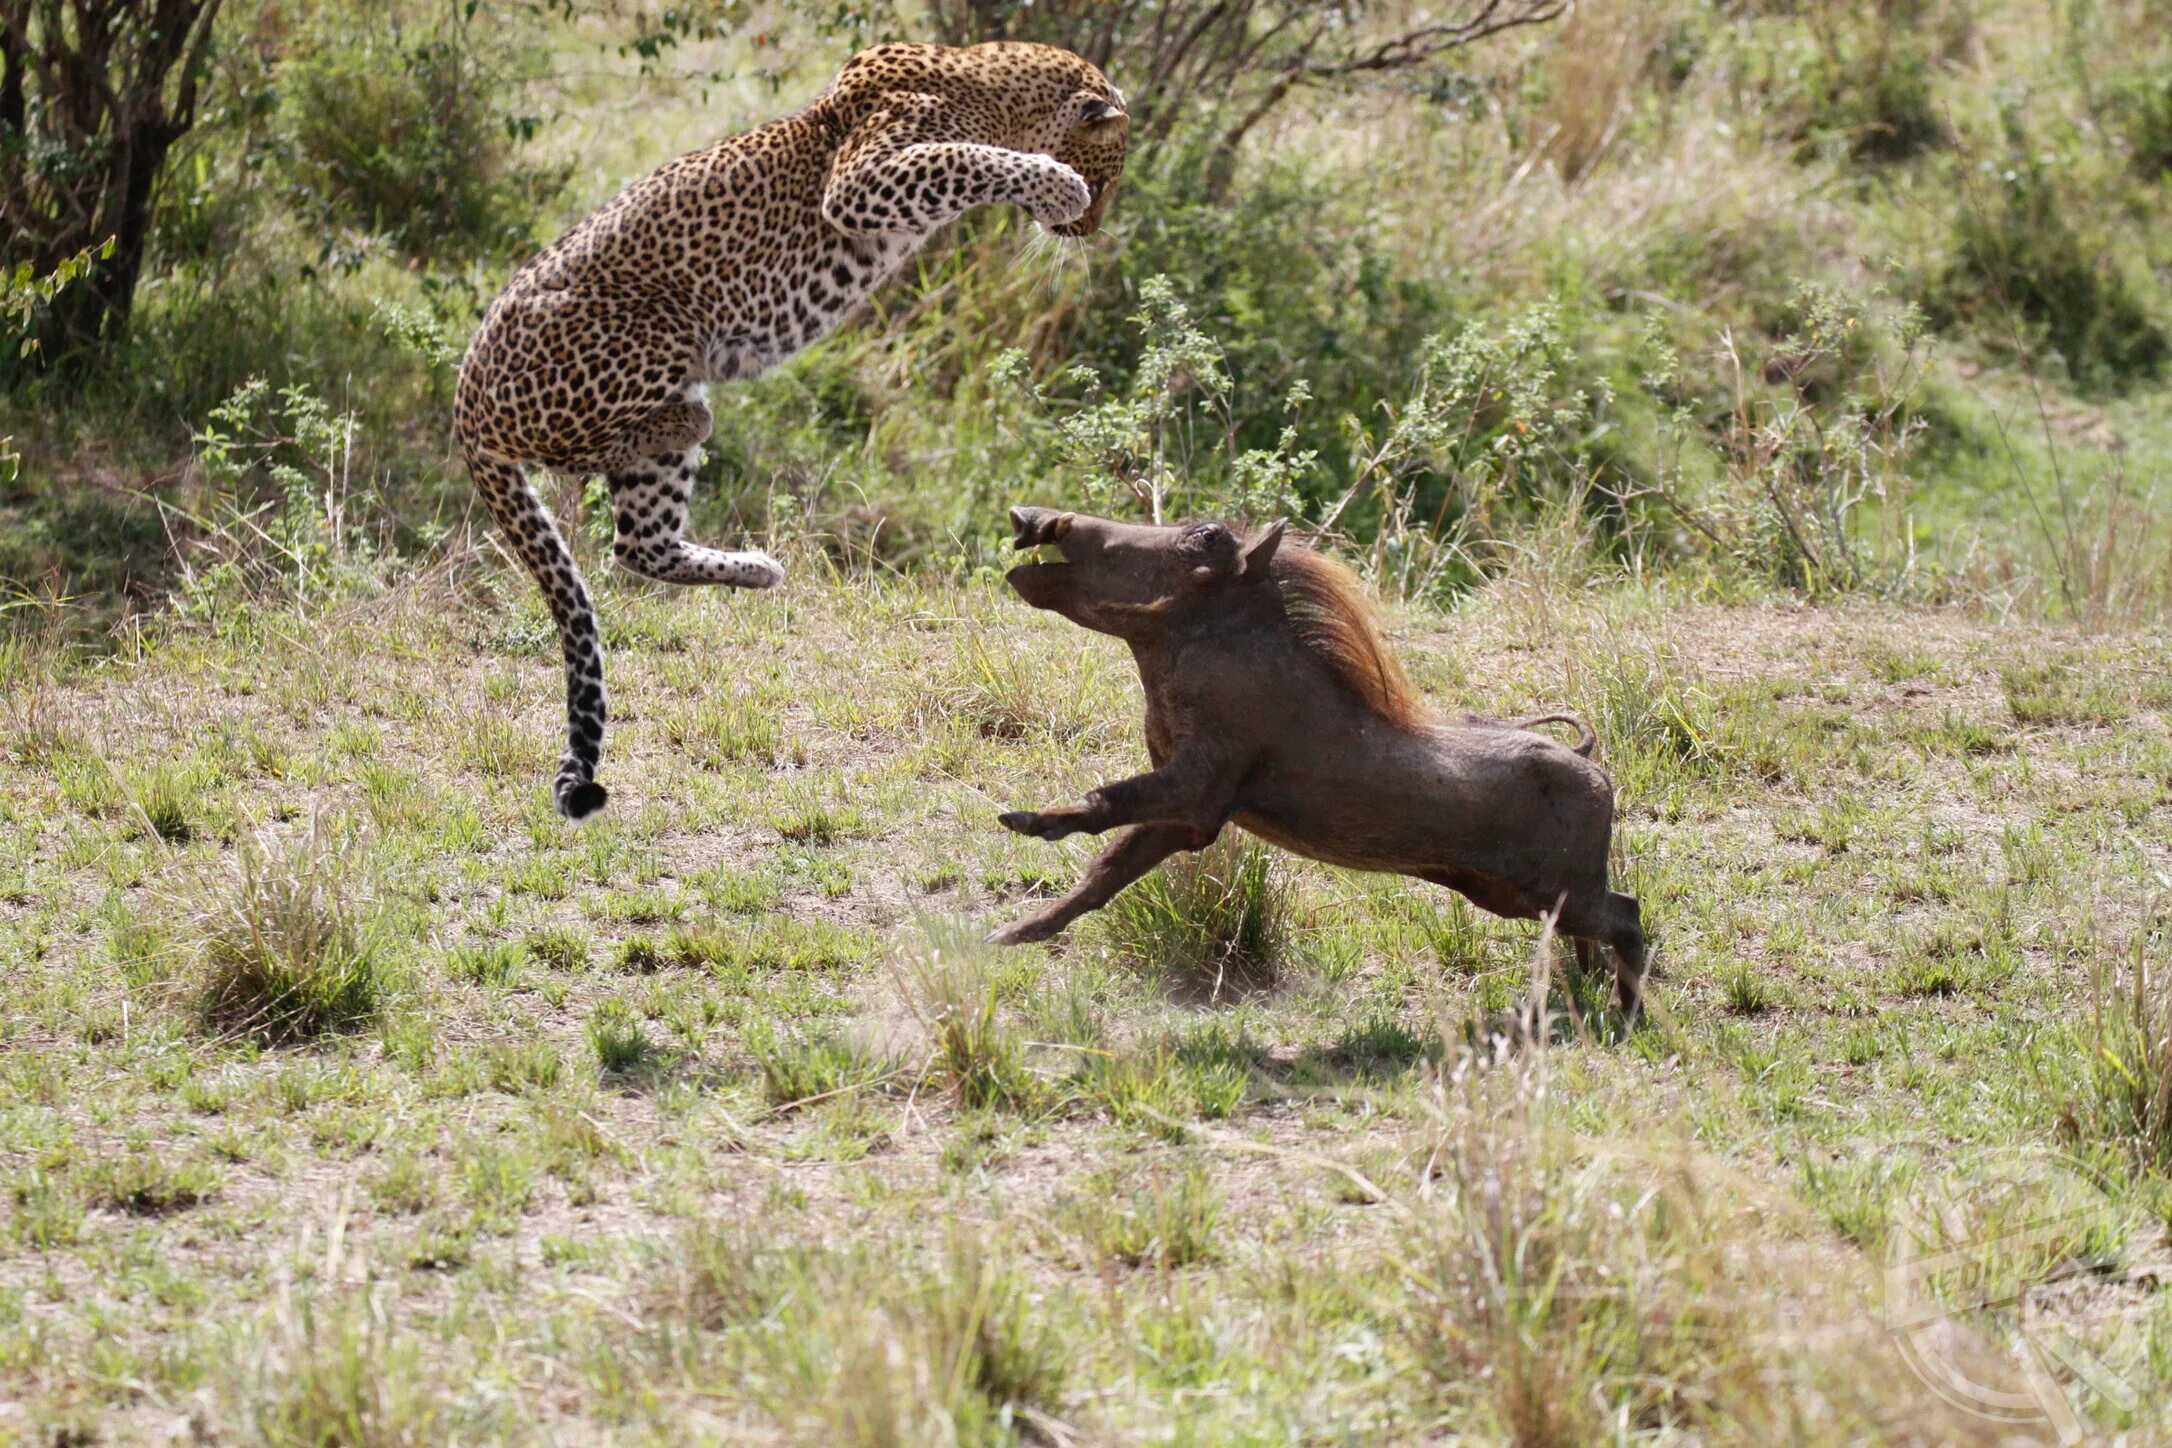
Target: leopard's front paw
x,y
1061,197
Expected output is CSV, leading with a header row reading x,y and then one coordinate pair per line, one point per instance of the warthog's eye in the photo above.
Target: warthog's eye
x,y
1202,539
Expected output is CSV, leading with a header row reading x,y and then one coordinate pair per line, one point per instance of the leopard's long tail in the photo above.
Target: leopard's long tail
x,y
535,537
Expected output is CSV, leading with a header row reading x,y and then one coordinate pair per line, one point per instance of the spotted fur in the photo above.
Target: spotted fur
x,y
597,356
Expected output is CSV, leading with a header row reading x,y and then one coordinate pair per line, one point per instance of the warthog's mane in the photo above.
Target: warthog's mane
x,y
1335,620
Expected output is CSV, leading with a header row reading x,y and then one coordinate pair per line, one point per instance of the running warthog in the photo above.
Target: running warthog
x,y
1272,700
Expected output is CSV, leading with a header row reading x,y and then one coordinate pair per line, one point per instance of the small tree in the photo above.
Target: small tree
x,y
93,94
1230,63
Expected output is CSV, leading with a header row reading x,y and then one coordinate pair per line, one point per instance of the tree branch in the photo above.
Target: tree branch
x,y
1426,43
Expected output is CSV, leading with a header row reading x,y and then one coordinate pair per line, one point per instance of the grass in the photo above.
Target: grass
x,y
349,1096
618,1038
720,732
2128,1042
285,952
950,987
1880,896
1162,1216
141,1183
1218,922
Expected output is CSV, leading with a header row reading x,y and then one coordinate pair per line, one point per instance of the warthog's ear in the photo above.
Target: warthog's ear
x,y
1259,553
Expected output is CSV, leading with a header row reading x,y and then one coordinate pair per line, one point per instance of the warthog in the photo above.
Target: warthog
x,y
1273,701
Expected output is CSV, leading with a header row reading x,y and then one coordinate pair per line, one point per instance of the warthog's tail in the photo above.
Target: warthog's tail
x,y
1584,744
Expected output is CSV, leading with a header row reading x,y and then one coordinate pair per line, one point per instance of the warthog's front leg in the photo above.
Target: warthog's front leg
x,y
1131,855
1193,789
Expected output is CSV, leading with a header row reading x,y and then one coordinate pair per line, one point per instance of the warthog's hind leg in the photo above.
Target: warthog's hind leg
x,y
1628,942
1617,922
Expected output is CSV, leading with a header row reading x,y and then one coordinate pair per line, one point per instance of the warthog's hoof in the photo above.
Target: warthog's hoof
x,y
1032,823
1024,932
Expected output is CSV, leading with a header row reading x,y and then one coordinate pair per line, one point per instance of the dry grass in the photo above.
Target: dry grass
x,y
1592,73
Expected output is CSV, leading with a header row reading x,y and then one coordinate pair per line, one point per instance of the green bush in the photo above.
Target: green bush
x,y
405,141
1872,87
1803,440
2033,257
2141,110
1494,424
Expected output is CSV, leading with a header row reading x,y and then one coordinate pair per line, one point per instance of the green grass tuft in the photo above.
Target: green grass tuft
x,y
798,1070
616,1035
287,952
1220,922
2127,1102
1161,1216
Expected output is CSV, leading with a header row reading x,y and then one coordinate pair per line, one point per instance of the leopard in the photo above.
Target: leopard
x,y
596,358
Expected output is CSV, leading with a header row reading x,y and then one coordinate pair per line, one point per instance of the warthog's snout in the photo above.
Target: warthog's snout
x,y
1044,585
1031,527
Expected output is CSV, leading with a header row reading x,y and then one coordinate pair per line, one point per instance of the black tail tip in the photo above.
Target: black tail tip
x,y
582,800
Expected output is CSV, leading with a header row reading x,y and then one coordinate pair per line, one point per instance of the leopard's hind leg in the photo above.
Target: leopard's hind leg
x,y
649,495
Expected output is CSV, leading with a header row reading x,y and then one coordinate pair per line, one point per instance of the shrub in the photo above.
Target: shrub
x,y
287,953
1805,438
1872,86
2141,106
280,509
2033,261
402,140
1495,423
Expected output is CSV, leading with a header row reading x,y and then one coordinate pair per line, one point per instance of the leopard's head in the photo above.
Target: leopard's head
x,y
1089,131
1019,94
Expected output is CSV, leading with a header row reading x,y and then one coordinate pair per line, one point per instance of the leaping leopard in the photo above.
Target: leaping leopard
x,y
721,264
